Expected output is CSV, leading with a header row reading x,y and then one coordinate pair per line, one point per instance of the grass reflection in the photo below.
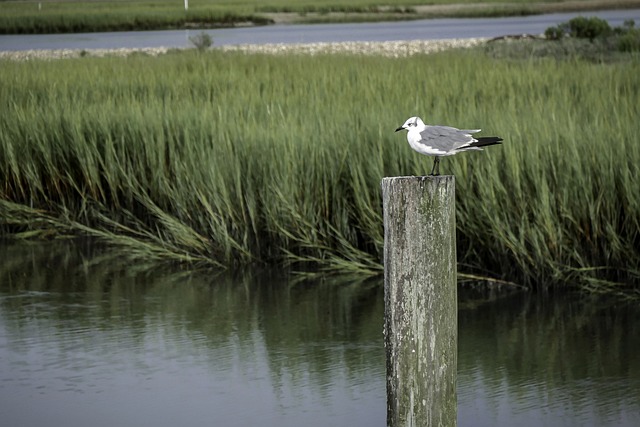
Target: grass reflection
x,y
547,356
255,327
73,317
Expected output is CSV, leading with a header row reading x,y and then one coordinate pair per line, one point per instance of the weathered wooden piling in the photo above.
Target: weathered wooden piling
x,y
421,320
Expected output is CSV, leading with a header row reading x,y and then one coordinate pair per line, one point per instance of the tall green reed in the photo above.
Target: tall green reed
x,y
24,17
231,159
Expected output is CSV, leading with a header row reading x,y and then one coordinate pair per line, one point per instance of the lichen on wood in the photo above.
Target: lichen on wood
x,y
420,300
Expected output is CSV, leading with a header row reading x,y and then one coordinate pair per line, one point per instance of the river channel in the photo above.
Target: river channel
x,y
425,29
87,338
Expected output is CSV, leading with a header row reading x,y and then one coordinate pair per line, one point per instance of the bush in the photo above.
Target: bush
x,y
554,33
202,41
588,28
629,41
624,39
580,27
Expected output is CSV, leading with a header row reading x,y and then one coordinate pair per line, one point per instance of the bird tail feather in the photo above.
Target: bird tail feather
x,y
486,140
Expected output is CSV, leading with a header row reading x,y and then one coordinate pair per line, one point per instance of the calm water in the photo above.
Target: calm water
x,y
428,29
88,340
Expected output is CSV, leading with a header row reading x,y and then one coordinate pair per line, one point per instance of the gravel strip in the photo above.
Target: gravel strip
x,y
395,49
26,55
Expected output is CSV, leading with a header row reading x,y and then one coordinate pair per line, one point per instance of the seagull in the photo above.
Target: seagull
x,y
442,140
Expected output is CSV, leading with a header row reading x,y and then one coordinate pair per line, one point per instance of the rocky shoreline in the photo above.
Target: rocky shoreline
x,y
394,49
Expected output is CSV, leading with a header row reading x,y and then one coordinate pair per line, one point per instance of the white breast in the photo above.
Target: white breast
x,y
413,136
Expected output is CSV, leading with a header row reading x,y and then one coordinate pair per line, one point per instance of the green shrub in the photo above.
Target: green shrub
x,y
554,33
588,28
629,41
580,27
202,41
623,39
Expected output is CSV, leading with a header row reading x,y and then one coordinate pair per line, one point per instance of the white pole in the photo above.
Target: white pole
x,y
186,4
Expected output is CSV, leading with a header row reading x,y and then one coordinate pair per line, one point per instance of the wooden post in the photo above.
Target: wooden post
x,y
421,318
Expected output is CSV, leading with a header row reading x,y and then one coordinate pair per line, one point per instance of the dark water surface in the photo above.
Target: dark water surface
x,y
88,340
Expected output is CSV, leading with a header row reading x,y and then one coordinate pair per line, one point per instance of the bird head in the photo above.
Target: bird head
x,y
411,123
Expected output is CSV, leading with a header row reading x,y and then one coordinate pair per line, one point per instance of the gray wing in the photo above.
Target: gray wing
x,y
446,138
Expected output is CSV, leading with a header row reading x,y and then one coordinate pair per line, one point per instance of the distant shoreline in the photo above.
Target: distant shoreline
x,y
122,16
459,10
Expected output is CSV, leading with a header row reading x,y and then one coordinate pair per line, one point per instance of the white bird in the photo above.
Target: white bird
x,y
442,140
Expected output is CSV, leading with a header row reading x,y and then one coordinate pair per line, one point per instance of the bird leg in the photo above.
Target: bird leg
x,y
435,171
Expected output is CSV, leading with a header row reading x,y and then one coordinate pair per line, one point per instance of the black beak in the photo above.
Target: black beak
x,y
400,128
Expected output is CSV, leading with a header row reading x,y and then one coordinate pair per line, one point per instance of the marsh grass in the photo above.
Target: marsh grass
x,y
231,159
24,17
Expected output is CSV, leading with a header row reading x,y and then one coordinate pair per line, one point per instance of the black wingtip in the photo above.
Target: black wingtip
x,y
487,140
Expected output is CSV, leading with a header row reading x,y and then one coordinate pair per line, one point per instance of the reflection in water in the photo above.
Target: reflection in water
x,y
92,342
89,340
553,360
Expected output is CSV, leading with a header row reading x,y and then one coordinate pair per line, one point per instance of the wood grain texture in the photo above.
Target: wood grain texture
x,y
420,300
